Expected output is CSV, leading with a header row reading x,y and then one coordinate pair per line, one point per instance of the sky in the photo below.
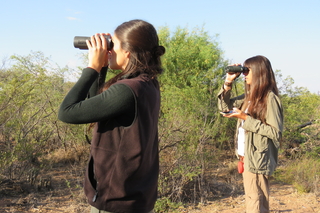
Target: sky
x,y
286,32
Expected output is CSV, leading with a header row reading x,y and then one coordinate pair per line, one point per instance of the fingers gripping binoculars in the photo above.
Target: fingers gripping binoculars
x,y
230,69
80,42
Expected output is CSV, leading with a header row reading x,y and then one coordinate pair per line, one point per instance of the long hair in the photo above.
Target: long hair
x,y
140,38
263,81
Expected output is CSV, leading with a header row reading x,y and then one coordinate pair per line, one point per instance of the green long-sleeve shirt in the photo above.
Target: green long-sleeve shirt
x,y
82,105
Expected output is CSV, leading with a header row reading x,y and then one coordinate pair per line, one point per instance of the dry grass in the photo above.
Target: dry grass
x,y
73,155
224,187
52,185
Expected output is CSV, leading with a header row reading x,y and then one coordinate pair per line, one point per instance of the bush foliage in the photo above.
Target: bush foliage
x,y
194,138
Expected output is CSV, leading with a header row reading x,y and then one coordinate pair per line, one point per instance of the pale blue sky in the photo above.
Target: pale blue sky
x,y
287,32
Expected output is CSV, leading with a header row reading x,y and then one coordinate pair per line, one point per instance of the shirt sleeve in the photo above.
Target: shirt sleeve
x,y
117,100
226,103
98,83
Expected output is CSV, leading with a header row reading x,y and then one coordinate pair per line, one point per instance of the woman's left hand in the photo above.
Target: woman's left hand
x,y
237,113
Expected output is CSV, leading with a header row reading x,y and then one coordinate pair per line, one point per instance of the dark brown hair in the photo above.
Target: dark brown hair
x,y
140,38
263,81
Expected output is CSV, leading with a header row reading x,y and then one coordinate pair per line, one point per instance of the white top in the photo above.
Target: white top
x,y
241,137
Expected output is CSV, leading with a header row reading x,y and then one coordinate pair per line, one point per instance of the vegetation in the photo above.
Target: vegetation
x,y
196,143
189,119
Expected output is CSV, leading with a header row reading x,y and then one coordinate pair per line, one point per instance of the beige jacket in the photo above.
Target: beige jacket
x,y
262,141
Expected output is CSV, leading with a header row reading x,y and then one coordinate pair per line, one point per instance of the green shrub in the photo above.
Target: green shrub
x,y
166,205
303,173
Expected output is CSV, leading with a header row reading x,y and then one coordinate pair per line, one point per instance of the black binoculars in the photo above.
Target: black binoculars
x,y
80,42
239,68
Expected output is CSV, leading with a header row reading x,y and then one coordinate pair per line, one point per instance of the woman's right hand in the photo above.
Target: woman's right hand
x,y
97,51
231,76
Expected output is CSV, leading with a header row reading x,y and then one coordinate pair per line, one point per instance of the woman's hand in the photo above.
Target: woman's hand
x,y
98,53
237,113
230,77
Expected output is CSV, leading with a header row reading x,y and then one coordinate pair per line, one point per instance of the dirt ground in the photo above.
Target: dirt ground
x,y
283,198
65,194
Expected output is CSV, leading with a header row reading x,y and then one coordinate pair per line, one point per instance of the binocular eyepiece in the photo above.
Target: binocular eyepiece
x,y
239,68
80,42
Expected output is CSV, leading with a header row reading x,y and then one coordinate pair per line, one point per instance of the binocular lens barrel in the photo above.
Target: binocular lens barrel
x,y
80,42
236,69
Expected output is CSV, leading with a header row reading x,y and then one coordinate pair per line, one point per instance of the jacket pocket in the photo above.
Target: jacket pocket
x,y
91,175
260,158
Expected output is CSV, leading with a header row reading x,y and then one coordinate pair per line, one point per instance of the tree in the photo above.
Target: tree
x,y
189,121
300,107
30,94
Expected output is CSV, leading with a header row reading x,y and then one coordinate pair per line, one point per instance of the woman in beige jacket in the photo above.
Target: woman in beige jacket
x,y
259,129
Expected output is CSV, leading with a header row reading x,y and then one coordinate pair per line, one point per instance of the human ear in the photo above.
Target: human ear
x,y
127,54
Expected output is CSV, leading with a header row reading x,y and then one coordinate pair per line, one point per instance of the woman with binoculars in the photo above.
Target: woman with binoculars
x,y
123,168
259,128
